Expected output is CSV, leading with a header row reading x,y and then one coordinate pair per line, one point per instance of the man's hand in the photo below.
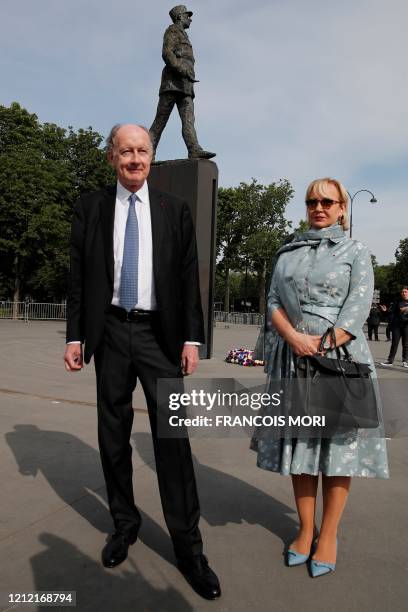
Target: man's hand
x,y
189,358
73,357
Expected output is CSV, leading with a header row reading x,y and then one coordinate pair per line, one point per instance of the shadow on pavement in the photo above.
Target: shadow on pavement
x,y
63,567
72,468
227,499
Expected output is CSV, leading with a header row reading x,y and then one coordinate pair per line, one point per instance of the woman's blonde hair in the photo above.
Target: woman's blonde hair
x,y
318,187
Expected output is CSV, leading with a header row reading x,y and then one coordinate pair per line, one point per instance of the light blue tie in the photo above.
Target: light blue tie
x,y
129,272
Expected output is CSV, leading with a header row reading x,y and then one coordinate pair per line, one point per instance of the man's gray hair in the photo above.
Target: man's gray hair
x,y
110,141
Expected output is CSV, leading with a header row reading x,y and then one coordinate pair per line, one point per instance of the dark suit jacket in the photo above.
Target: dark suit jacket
x,y
175,269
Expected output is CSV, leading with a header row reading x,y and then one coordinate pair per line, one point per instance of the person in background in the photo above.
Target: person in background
x,y
389,321
399,329
387,310
373,322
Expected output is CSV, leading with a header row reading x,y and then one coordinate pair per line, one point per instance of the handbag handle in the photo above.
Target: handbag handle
x,y
330,332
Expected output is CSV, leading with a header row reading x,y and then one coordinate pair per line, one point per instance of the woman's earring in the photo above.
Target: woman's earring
x,y
340,220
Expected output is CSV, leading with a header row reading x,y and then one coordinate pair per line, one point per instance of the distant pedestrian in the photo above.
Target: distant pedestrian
x,y
373,322
399,329
388,310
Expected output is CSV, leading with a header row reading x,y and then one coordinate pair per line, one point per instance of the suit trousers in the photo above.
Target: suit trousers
x,y
130,351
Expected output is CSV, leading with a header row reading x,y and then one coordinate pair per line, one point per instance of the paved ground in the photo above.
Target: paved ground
x,y
54,518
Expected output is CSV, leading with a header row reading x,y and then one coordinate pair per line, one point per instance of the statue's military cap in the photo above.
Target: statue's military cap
x,y
179,10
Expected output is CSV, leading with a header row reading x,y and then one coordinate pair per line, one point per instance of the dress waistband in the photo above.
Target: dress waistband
x,y
320,310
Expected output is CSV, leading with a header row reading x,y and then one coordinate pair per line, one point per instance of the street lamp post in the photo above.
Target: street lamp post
x,y
373,201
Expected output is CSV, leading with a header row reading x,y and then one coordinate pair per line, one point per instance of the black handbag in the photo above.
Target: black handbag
x,y
339,389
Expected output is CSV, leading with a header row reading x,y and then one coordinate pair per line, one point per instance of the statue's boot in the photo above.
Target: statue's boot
x,y
200,154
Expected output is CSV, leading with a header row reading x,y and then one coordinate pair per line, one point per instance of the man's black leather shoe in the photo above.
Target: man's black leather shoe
x,y
116,549
200,576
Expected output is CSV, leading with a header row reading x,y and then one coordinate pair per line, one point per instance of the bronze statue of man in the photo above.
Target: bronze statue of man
x,y
177,84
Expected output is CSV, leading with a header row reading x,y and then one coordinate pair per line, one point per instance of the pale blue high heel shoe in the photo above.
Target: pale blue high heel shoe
x,y
320,568
294,558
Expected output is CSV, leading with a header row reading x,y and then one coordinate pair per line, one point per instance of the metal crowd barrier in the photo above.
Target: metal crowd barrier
x,y
242,318
33,311
40,311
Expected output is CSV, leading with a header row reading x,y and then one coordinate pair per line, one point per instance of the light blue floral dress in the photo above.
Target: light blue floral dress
x,y
321,278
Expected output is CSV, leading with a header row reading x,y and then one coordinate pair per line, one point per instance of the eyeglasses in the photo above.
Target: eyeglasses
x,y
325,202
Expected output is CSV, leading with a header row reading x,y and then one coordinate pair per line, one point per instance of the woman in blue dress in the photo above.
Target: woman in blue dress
x,y
321,278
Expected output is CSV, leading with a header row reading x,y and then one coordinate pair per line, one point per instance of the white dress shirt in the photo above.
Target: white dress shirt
x,y
145,287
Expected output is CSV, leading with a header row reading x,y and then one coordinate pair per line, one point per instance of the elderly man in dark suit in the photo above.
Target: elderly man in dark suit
x,y
177,84
134,301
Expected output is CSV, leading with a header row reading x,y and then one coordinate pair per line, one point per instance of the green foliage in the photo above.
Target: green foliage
x,y
230,228
390,278
251,223
385,281
264,220
241,286
250,228
43,170
302,227
401,267
18,128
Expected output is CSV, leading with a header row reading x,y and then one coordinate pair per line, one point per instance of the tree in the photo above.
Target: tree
x,y
266,227
385,281
20,135
250,228
31,216
43,170
302,227
88,162
401,266
229,236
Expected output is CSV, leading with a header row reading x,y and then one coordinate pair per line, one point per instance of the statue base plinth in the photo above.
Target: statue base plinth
x,y
196,181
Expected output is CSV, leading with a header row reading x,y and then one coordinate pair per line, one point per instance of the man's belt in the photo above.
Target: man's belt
x,y
133,315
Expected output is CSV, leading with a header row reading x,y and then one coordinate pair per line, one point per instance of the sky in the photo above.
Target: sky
x,y
288,88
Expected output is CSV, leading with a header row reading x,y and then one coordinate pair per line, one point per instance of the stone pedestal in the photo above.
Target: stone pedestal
x,y
197,182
